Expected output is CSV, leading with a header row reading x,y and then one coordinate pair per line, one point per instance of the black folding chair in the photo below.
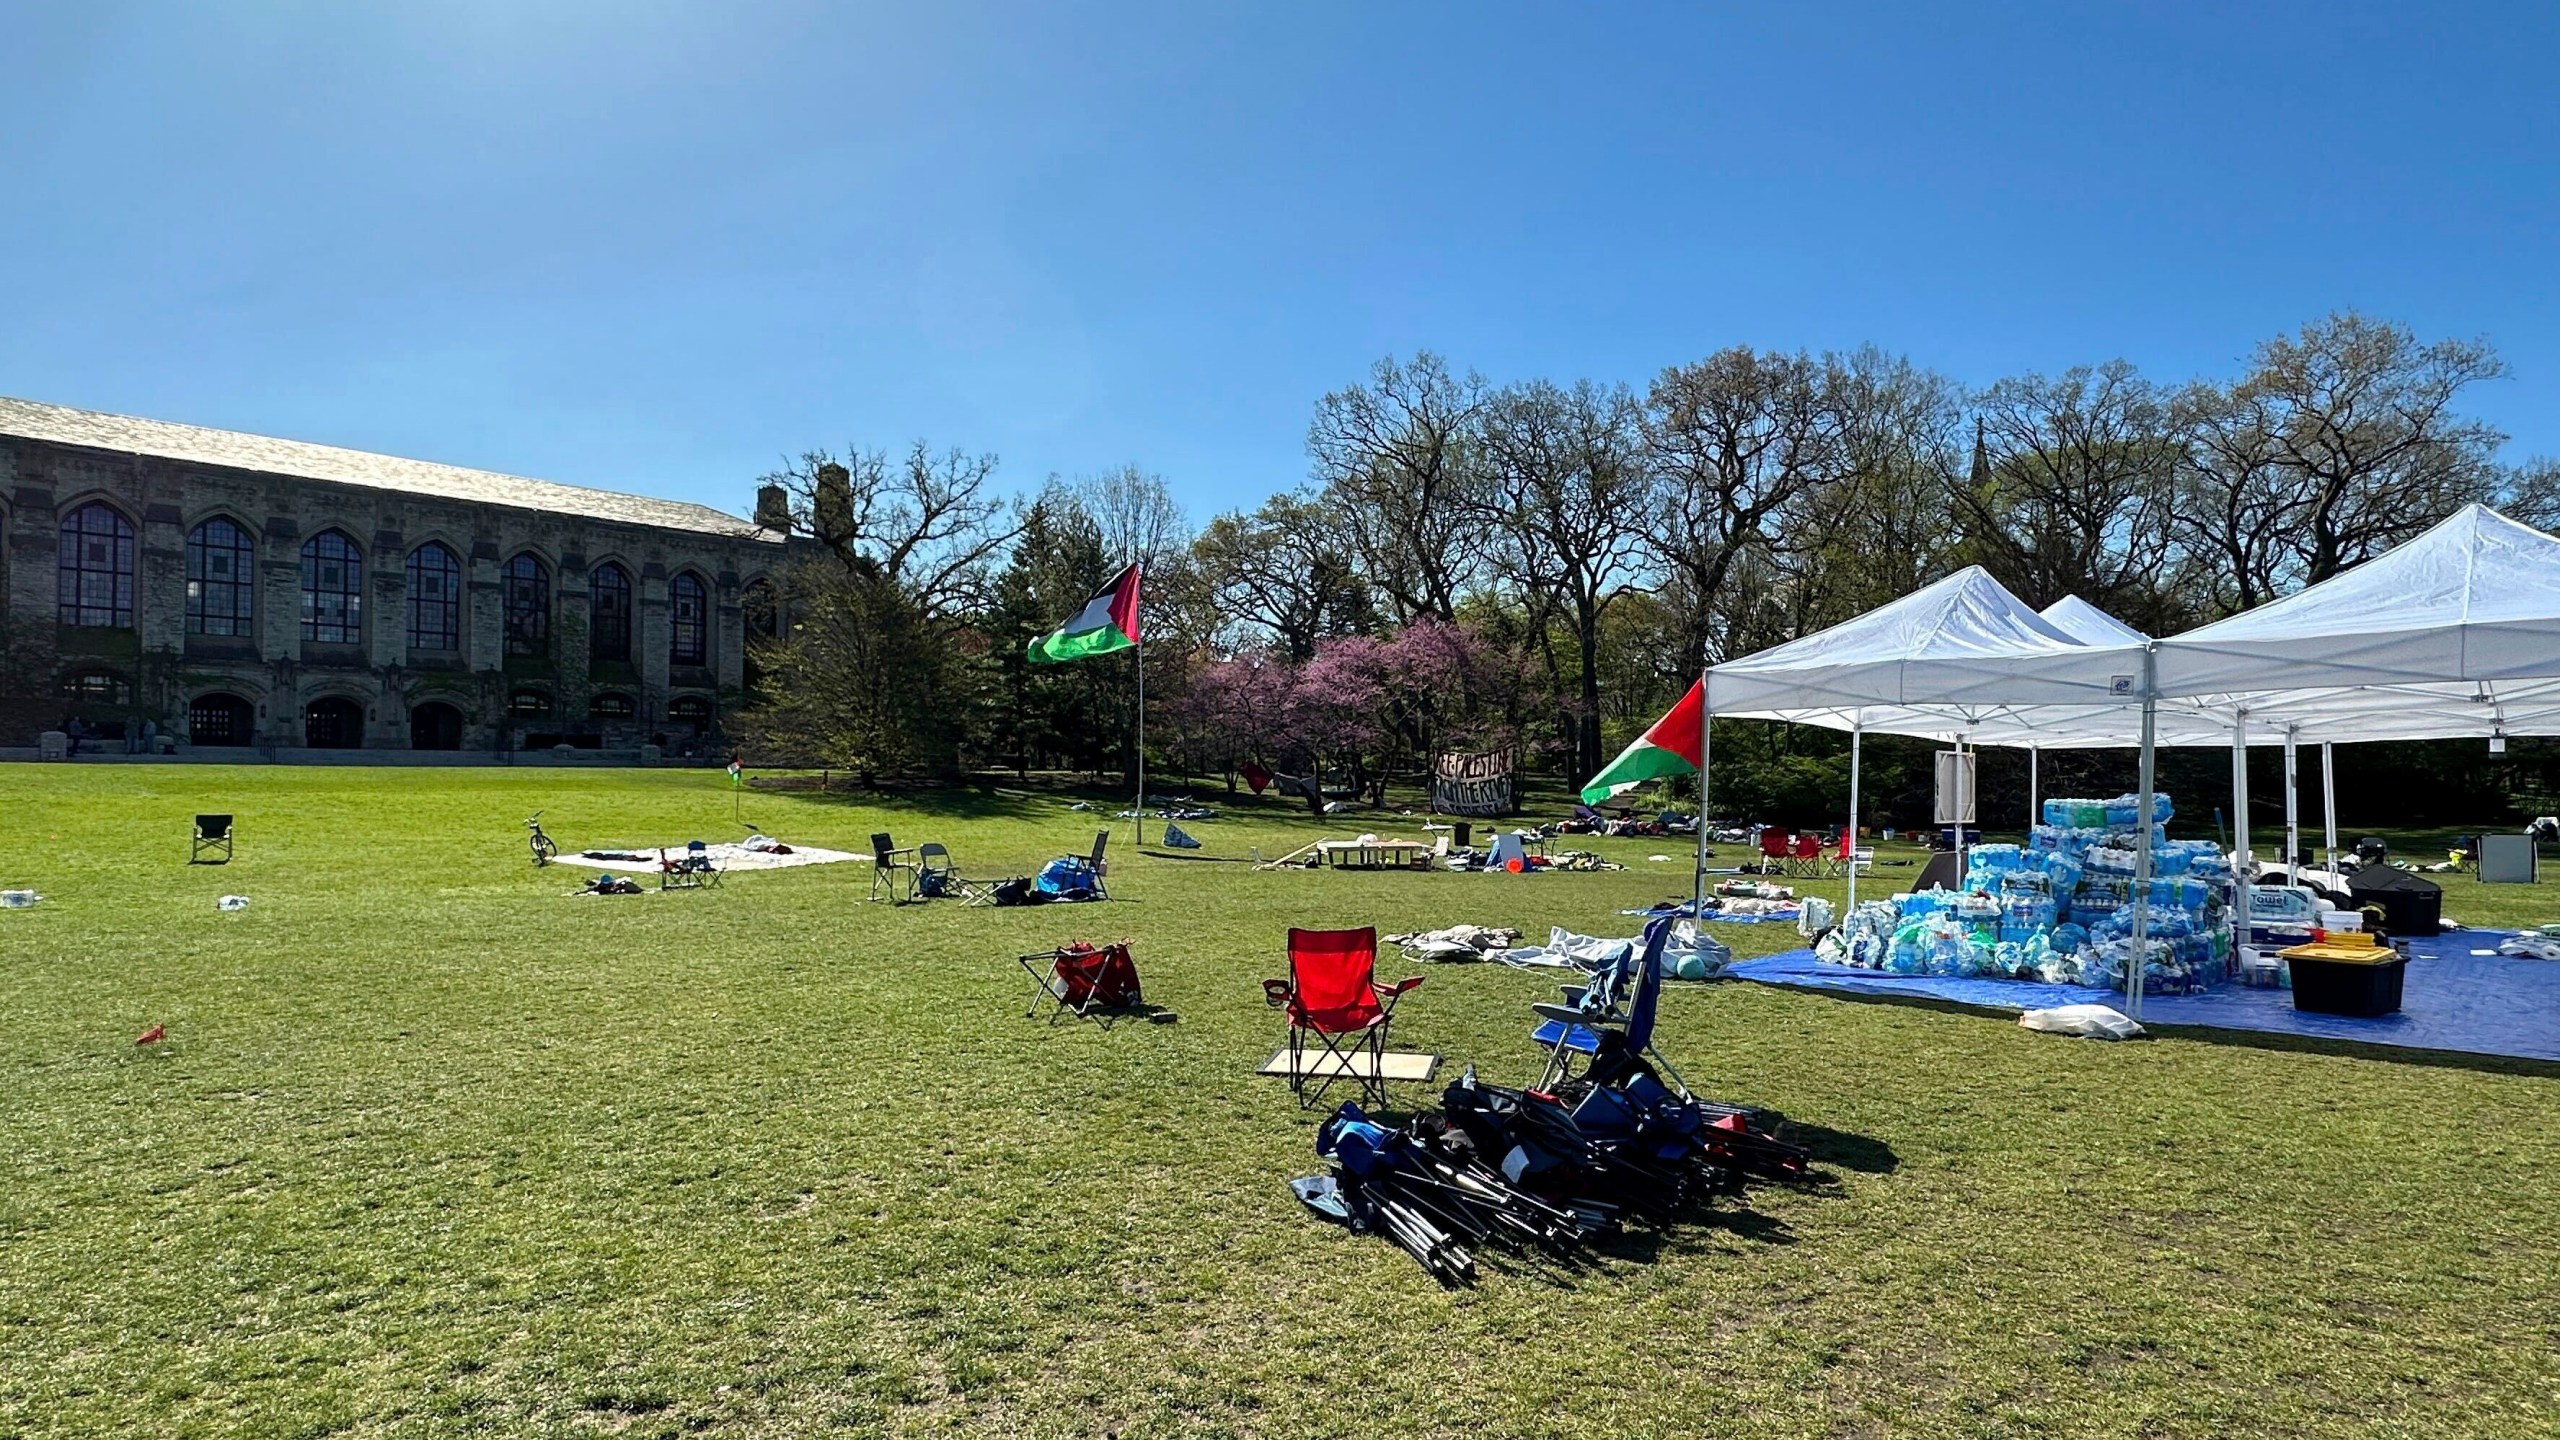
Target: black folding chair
x,y
888,865
938,878
212,837
1101,839
690,871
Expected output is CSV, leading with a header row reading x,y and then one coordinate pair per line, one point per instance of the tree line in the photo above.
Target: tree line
x,y
1541,566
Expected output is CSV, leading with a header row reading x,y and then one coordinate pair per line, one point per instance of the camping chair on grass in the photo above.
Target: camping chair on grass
x,y
1592,1025
1805,860
212,836
1081,980
689,871
938,879
1566,1029
936,876
1101,840
1333,995
1084,872
1847,859
1773,851
888,863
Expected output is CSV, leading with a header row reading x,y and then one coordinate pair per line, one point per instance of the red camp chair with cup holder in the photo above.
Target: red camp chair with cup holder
x,y
1333,997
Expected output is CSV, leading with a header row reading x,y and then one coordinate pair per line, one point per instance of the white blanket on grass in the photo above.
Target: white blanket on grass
x,y
726,856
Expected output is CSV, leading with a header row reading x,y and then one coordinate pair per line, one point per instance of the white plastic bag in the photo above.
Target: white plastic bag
x,y
2090,1022
232,902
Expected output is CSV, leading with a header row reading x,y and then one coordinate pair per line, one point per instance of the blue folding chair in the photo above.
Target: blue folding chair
x,y
1591,1024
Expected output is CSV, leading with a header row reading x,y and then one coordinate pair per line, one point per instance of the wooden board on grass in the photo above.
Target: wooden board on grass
x,y
1400,1064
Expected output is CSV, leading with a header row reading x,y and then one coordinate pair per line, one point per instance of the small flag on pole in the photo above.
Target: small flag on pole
x,y
737,772
1107,623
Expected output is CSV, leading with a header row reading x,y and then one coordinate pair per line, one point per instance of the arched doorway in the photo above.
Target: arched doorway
x,y
221,719
435,726
332,723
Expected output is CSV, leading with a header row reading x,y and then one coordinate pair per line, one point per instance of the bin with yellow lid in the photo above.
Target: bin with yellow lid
x,y
2346,974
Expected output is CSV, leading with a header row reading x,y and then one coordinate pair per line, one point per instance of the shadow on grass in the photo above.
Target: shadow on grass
x,y
1106,1018
1842,1150
952,803
2362,1050
1748,1224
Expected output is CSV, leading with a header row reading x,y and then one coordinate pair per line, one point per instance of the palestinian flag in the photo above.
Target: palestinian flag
x,y
1669,748
1108,622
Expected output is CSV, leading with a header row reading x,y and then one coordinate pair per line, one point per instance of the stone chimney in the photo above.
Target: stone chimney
x,y
773,509
832,510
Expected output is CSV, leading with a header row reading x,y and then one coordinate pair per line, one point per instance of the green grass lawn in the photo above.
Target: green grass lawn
x,y
431,1149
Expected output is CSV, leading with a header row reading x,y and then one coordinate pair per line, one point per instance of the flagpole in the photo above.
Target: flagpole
x,y
1140,650
1706,736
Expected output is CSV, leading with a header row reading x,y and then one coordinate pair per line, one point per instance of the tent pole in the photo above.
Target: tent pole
x,y
1857,732
2292,824
2142,851
2033,788
2329,803
2241,870
1963,859
1706,742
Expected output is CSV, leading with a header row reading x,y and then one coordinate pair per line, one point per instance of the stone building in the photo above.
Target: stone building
x,y
227,590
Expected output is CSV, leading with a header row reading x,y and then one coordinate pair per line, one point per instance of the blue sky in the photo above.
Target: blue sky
x,y
657,246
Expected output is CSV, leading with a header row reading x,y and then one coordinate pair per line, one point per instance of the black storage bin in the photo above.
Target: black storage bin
x,y
2348,987
2411,904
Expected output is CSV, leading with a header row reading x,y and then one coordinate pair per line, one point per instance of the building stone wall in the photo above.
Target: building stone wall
x,y
166,671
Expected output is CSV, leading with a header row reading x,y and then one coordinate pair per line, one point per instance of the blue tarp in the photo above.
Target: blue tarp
x,y
2451,999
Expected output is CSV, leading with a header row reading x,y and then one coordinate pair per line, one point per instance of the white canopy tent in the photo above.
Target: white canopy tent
x,y
1961,658
2090,625
2456,633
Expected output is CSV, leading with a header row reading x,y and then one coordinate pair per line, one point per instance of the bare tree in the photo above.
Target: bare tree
x,y
925,523
1281,570
2236,512
1396,459
2072,487
1733,439
1136,514
2361,415
1883,529
1569,493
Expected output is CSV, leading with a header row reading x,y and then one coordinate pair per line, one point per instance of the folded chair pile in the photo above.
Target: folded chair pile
x,y
1609,1136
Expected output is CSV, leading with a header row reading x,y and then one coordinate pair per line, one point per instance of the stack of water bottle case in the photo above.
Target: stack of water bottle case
x,y
2059,909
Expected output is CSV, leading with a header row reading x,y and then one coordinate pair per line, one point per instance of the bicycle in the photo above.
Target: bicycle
x,y
544,847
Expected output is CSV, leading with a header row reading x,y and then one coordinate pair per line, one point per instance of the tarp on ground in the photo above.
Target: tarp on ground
x,y
2457,995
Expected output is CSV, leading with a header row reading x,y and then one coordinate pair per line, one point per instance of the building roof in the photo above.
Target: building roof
x,y
162,439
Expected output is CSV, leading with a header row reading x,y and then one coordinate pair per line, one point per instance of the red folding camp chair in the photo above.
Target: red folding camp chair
x,y
1773,852
1082,980
1847,858
1333,995
1806,858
